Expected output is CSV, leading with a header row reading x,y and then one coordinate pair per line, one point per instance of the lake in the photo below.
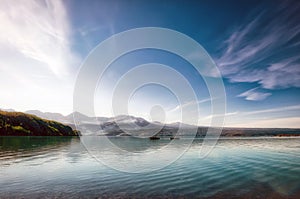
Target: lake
x,y
61,167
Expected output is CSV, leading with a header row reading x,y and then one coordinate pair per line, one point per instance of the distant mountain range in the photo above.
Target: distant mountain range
x,y
51,116
66,119
125,125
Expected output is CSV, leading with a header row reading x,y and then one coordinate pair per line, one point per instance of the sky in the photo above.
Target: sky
x,y
254,44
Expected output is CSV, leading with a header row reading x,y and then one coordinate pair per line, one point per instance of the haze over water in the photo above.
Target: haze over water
x,y
33,167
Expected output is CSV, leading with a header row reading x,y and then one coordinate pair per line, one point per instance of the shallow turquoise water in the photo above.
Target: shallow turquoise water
x,y
34,167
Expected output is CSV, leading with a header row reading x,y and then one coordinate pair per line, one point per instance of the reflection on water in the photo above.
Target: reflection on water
x,y
27,147
135,155
33,167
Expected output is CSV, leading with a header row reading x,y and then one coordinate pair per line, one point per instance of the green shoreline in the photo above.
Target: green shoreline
x,y
22,124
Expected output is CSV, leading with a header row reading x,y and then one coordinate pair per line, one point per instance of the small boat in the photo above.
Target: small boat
x,y
154,138
174,138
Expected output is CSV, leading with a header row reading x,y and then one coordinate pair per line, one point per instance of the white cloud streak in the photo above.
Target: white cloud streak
x,y
38,30
254,95
266,49
220,115
265,118
272,110
37,62
191,103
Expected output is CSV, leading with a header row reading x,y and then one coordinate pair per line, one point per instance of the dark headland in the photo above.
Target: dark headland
x,y
22,124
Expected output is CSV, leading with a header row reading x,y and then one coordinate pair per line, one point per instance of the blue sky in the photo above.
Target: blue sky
x,y
255,45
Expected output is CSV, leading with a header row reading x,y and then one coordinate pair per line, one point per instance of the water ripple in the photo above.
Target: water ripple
x,y
237,167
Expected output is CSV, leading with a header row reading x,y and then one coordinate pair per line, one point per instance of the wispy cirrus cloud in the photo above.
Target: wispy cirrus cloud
x,y
190,103
278,117
220,115
254,95
273,110
36,31
37,61
265,49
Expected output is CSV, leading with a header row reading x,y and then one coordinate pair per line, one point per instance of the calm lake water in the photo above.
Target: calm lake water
x,y
61,167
